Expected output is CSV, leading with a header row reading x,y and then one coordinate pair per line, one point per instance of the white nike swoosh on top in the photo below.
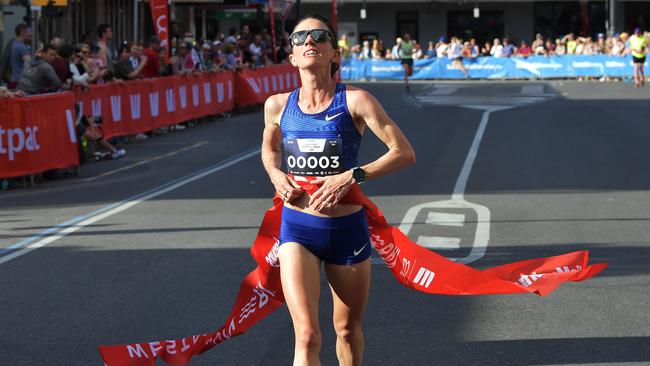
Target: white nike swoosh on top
x,y
328,118
356,252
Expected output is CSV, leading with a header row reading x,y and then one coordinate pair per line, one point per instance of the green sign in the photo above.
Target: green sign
x,y
235,15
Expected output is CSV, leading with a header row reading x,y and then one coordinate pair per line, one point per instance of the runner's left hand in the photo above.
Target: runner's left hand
x,y
332,189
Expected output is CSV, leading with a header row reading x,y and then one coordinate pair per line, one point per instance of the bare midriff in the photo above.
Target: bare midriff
x,y
302,204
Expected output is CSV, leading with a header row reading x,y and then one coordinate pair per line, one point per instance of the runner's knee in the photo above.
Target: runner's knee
x,y
347,329
308,338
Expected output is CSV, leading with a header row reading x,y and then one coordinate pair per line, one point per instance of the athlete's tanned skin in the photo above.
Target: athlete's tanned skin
x,y
300,269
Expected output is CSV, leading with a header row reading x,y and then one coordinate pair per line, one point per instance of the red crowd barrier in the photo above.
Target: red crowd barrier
x,y
143,105
254,86
37,134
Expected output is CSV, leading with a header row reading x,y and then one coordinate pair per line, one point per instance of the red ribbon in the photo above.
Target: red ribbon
x,y
415,267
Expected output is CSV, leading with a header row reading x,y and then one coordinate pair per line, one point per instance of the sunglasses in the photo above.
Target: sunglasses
x,y
318,35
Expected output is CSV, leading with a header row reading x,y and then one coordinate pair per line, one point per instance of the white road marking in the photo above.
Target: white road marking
x,y
445,219
532,89
444,90
143,162
461,182
80,222
439,242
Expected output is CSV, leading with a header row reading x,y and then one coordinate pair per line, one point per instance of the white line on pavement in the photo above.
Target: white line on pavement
x,y
143,162
461,183
57,232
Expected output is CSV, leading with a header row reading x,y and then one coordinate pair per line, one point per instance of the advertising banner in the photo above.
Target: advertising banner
x,y
534,67
37,134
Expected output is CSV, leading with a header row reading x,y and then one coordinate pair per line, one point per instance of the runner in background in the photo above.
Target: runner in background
x,y
638,44
321,124
405,50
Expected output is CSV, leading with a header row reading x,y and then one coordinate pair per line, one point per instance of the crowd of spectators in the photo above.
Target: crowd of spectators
x,y
59,65
615,45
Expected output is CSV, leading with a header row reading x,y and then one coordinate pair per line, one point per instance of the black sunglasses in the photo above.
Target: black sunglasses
x,y
319,35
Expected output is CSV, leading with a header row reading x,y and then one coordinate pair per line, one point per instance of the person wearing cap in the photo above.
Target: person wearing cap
x,y
638,44
152,53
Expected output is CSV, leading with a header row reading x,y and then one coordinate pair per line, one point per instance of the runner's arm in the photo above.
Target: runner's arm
x,y
272,145
363,106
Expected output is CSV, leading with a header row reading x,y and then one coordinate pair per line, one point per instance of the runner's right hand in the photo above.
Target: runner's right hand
x,y
286,187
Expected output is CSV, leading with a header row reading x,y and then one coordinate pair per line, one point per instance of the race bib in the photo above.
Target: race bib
x,y
312,156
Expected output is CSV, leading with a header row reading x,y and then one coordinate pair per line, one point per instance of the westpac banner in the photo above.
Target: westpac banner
x,y
495,68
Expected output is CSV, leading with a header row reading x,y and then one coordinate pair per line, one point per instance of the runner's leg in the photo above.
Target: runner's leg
x,y
350,285
406,75
300,274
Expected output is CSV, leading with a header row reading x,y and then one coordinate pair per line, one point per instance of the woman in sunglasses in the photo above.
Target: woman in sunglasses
x,y
315,132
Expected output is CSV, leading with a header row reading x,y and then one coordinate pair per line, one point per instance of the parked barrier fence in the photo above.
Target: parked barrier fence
x,y
538,67
38,133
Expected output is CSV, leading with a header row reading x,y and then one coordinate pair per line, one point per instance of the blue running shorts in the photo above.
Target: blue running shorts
x,y
340,240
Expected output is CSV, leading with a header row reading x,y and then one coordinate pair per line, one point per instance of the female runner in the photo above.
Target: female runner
x,y
316,131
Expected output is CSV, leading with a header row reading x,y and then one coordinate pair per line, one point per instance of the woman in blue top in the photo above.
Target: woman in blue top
x,y
316,131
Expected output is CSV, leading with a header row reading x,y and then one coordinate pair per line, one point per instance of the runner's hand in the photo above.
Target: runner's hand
x,y
286,187
332,189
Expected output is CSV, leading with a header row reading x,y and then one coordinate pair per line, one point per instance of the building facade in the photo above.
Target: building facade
x,y
426,20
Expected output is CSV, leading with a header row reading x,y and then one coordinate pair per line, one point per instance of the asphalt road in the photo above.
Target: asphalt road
x,y
154,246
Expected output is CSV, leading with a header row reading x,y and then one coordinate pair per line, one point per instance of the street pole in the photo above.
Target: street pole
x,y
612,16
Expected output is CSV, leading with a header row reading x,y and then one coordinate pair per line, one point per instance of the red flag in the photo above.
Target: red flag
x,y
272,16
159,12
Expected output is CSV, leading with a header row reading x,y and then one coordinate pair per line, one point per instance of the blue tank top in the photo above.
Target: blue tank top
x,y
324,143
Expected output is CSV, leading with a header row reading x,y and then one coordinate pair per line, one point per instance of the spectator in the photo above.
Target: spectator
x,y
455,53
537,46
431,50
20,53
166,68
571,44
560,47
56,43
105,34
91,129
61,65
442,47
255,49
366,51
232,36
123,69
509,49
487,47
344,46
136,54
524,49
232,62
38,75
356,52
394,52
207,58
284,49
601,45
497,48
78,68
474,51
549,47
376,49
417,51
152,53
6,93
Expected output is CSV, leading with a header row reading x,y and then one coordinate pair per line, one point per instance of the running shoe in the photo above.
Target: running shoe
x,y
118,154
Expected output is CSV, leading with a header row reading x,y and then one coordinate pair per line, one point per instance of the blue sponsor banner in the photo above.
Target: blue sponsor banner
x,y
572,66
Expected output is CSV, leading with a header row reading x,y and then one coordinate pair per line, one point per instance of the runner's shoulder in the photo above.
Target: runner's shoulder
x,y
358,98
274,106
